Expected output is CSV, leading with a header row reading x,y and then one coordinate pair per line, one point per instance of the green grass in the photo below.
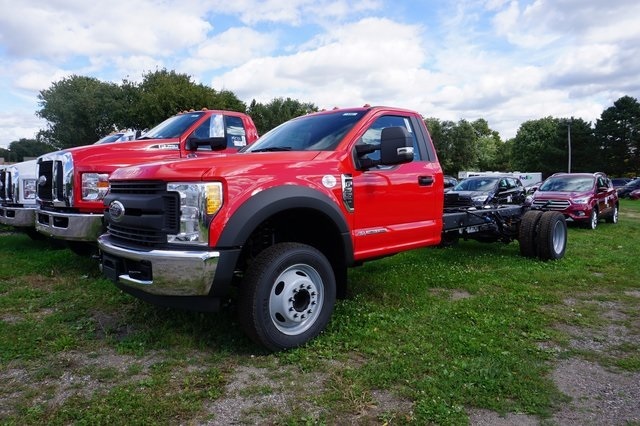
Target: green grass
x,y
440,330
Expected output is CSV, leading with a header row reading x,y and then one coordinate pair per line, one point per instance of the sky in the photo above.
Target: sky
x,y
504,61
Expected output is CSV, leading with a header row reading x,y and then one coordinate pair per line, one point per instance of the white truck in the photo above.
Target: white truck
x,y
18,196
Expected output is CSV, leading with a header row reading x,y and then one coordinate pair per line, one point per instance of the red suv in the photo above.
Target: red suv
x,y
581,197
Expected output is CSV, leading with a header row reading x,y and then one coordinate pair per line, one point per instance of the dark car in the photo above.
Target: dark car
x,y
629,188
449,182
581,197
620,182
478,191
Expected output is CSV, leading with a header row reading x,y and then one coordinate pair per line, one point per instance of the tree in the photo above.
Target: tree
x,y
277,111
538,146
79,110
586,155
164,93
618,133
22,148
488,144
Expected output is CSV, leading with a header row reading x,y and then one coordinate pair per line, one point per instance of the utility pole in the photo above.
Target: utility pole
x,y
569,143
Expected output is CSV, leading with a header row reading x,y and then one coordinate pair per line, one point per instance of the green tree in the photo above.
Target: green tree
x,y
277,111
539,146
79,110
488,145
586,154
20,149
164,93
618,133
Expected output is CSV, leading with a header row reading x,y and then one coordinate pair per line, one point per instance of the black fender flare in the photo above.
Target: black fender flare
x,y
271,201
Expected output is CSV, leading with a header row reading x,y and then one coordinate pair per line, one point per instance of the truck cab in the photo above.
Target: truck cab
x,y
72,183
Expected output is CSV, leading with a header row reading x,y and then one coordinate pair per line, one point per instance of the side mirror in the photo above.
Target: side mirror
x,y
217,143
396,146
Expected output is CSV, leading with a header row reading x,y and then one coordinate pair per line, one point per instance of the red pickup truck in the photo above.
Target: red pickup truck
x,y
73,182
284,218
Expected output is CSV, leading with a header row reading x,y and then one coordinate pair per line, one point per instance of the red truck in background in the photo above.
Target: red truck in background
x,y
73,182
284,218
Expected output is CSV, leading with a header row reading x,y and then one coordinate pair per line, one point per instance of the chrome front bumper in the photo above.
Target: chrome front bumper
x,y
159,272
20,217
69,226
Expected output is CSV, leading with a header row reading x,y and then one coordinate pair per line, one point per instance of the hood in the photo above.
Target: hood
x,y
223,165
559,195
470,193
94,157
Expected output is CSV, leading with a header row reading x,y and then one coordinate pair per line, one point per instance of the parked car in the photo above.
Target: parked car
x,y
478,191
635,195
620,182
449,182
584,198
626,190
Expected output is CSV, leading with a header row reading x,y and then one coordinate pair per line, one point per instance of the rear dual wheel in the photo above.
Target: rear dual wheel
x,y
543,235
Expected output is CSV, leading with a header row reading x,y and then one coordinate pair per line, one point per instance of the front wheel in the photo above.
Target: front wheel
x,y
593,219
287,296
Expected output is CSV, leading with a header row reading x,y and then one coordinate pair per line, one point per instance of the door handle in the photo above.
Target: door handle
x,y
425,180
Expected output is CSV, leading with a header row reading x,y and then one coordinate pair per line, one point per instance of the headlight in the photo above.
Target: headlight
x,y
29,189
199,202
480,198
94,186
584,200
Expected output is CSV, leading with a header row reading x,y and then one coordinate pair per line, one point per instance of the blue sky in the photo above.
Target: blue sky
x,y
504,61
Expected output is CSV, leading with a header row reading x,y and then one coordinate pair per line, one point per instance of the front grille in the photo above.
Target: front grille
x,y
151,212
45,190
152,187
456,200
8,187
552,204
143,237
3,185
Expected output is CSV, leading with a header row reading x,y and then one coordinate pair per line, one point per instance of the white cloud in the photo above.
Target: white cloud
x,y
230,48
17,125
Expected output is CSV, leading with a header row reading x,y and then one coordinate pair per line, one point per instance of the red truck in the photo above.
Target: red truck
x,y
73,182
284,218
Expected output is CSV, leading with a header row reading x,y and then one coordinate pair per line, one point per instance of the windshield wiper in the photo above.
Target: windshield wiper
x,y
272,149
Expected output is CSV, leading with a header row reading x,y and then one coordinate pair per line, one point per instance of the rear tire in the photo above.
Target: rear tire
x,y
614,215
528,232
552,236
287,296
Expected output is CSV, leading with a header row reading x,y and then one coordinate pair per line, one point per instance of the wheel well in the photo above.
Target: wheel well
x,y
301,225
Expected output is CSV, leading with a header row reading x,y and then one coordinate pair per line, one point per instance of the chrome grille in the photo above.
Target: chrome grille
x,y
552,204
55,179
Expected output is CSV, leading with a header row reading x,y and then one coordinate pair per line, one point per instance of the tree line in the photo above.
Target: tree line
x,y
79,110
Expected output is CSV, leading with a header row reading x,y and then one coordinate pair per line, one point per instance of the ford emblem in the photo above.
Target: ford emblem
x,y
116,210
42,180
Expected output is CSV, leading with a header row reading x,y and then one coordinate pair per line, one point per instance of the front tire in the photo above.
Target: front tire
x,y
287,296
593,219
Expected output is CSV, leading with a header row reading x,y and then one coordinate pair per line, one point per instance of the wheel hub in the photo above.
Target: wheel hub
x,y
296,299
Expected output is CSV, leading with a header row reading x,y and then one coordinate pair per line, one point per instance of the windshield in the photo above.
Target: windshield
x,y
309,133
477,184
173,127
567,184
111,138
633,183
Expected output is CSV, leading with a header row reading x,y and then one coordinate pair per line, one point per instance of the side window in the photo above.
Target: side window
x,y
218,126
373,134
236,134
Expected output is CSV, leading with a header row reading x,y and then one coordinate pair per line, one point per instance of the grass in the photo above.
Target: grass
x,y
435,331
